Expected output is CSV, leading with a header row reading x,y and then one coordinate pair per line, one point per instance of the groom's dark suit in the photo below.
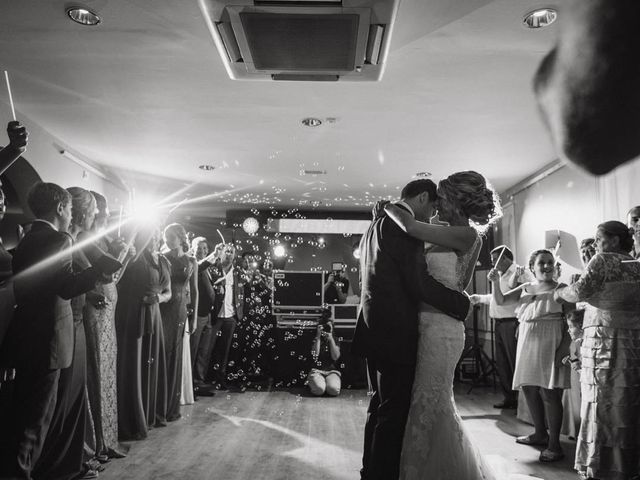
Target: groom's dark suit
x,y
395,279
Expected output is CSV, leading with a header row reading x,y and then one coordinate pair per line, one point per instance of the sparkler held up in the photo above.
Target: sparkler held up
x,y
500,256
120,221
13,108
223,242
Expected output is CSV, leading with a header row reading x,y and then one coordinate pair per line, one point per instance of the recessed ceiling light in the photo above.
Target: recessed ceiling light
x,y
422,175
311,122
539,18
207,168
83,16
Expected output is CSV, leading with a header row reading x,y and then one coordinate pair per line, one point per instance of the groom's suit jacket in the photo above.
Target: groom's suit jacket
x,y
395,279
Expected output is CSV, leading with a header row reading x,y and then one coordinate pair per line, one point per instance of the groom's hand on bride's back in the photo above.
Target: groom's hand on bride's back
x,y
470,306
378,209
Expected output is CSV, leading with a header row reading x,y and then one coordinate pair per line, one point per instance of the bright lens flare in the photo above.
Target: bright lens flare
x,y
145,211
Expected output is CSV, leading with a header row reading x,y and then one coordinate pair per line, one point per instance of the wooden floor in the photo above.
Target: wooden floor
x,y
281,435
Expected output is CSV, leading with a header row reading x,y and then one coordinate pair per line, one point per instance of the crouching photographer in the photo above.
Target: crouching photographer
x,y
325,377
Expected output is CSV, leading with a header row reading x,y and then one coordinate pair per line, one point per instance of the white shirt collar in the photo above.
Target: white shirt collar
x,y
406,205
48,223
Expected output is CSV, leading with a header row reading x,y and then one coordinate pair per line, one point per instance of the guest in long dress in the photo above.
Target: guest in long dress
x,y
184,273
142,377
543,341
100,331
610,370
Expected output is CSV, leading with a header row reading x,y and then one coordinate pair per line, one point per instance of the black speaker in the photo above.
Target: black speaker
x,y
293,359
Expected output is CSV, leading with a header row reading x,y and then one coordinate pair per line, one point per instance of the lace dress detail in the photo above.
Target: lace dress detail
x,y
435,444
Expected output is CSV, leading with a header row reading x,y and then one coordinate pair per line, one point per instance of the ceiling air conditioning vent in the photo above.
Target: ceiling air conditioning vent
x,y
303,40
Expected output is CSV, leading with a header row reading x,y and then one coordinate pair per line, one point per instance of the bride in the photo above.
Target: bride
x,y
435,445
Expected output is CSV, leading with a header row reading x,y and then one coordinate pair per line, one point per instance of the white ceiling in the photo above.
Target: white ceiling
x,y
146,92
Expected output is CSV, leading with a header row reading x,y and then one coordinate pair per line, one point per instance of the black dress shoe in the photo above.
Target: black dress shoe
x,y
203,392
506,404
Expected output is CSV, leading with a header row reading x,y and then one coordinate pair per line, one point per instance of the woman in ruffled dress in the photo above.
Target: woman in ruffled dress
x,y
609,436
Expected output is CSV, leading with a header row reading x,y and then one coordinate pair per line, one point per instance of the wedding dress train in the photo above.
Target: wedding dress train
x,y
436,446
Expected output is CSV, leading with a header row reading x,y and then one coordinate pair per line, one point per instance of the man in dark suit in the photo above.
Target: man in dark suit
x,y
395,280
40,339
201,338
228,309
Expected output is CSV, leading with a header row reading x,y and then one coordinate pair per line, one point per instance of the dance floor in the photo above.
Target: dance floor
x,y
286,434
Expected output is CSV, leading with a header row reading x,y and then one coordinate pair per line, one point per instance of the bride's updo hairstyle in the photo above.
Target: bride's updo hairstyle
x,y
473,197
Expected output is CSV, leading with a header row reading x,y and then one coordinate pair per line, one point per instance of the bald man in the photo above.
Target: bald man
x,y
633,221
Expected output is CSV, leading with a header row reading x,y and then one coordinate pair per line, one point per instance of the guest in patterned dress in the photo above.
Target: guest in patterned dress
x,y
609,439
184,272
100,331
142,376
543,341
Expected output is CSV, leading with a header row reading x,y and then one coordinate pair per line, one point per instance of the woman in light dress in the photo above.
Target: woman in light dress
x,y
177,313
543,342
435,445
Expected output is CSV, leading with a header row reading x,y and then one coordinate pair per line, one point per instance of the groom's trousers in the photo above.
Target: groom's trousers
x,y
391,384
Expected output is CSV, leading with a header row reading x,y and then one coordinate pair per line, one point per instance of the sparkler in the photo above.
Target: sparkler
x,y
13,108
500,256
120,221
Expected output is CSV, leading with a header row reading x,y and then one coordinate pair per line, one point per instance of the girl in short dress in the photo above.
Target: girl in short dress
x,y
543,341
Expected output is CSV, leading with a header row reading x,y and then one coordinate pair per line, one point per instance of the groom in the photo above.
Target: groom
x,y
395,280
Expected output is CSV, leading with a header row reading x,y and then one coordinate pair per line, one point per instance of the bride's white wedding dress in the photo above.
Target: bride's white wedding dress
x,y
435,444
